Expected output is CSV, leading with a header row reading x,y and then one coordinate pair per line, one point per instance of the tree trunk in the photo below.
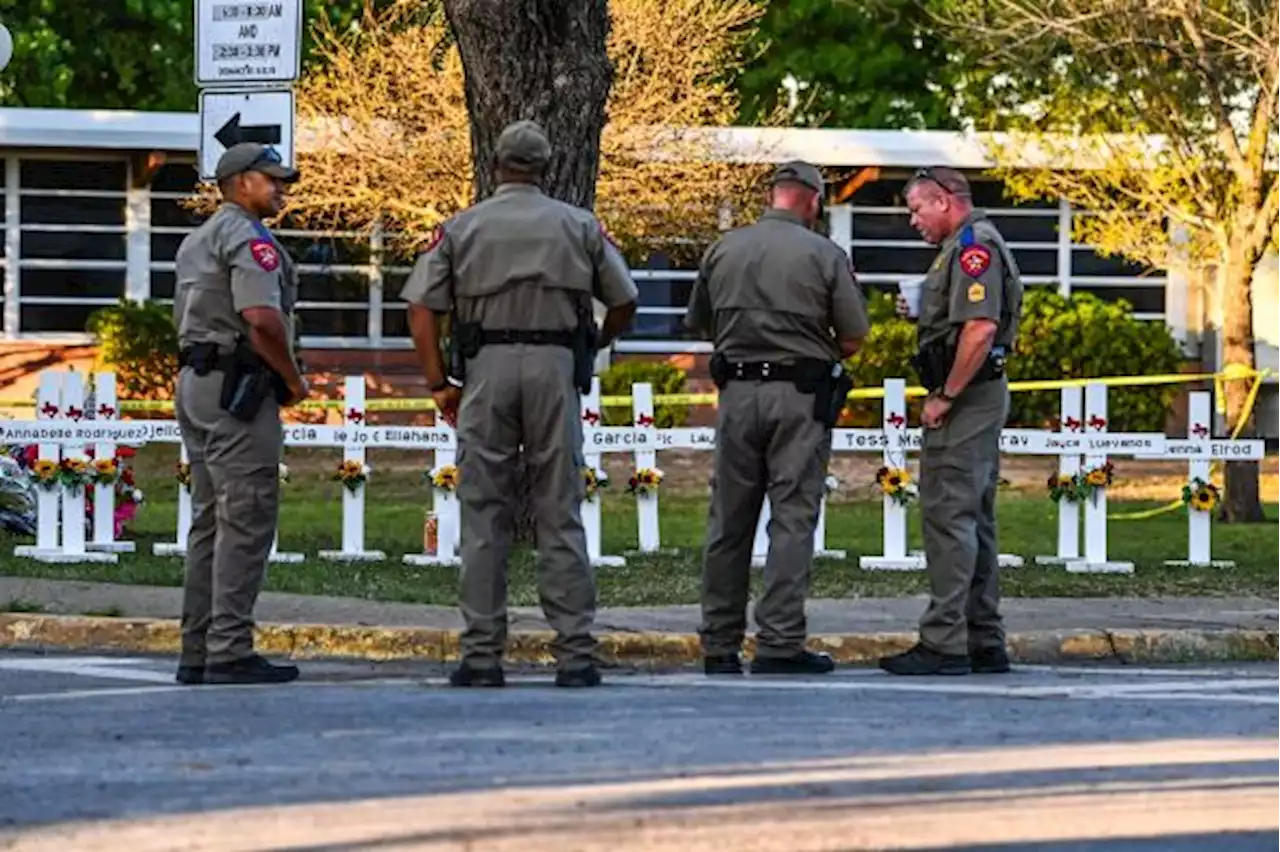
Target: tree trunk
x,y
1241,502
544,60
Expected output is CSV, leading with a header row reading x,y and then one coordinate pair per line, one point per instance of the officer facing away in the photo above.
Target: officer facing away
x,y
783,308
516,273
233,304
969,309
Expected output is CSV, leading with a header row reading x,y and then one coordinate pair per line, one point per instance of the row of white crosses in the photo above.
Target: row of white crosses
x,y
62,430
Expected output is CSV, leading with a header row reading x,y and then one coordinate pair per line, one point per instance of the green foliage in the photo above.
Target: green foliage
x,y
859,63
1080,337
139,342
666,378
117,54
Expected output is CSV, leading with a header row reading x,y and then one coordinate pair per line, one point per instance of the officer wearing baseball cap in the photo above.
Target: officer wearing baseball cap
x,y
516,273
233,303
783,309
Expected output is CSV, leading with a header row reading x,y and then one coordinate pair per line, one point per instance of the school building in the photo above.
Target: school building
x,y
93,213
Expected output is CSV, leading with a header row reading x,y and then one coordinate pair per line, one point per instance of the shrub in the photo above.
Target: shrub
x,y
1079,337
139,342
666,378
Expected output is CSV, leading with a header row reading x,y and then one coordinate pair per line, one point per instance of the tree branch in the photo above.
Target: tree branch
x,y
1265,225
1226,134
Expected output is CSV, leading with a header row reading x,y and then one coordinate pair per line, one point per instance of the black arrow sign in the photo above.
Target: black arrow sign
x,y
233,133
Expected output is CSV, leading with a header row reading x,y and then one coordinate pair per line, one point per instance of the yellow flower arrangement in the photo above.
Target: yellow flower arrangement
x,y
594,481
75,473
182,473
895,482
352,474
445,477
1201,496
104,471
644,480
45,473
1089,483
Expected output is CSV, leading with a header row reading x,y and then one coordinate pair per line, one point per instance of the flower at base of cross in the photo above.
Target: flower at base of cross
x,y
444,478
644,480
75,473
282,473
45,473
104,471
352,474
182,473
594,480
831,484
896,484
1201,496
1063,486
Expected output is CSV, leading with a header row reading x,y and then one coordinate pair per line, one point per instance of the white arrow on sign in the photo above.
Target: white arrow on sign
x,y
257,115
248,41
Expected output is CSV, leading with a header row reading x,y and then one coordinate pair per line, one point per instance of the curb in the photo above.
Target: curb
x,y
641,649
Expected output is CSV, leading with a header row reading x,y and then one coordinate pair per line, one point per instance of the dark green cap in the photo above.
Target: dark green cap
x,y
523,144
798,171
250,156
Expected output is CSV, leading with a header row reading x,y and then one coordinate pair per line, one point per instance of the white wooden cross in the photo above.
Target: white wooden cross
x,y
1070,422
895,556
445,506
1095,559
591,422
353,450
104,496
48,545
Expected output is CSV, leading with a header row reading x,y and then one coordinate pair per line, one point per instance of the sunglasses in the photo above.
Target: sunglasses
x,y
928,174
268,156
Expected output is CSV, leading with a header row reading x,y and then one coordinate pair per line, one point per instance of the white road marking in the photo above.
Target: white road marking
x,y
111,668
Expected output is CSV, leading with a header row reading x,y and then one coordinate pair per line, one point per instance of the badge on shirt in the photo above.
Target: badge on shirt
x,y
975,260
265,254
977,292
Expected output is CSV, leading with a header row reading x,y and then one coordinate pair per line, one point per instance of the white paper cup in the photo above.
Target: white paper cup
x,y
910,293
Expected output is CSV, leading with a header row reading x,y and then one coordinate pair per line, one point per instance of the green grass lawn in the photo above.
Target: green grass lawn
x,y
311,520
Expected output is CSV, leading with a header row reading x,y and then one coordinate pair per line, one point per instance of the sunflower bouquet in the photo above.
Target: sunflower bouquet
x,y
1201,496
1064,486
104,471
1094,480
444,477
45,473
75,473
895,483
182,473
644,480
352,474
594,481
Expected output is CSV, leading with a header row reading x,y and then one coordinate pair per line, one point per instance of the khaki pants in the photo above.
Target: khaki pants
x,y
959,470
235,502
523,395
767,442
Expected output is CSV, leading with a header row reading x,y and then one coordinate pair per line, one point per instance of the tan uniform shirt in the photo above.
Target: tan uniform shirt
x,y
228,264
777,291
519,260
973,277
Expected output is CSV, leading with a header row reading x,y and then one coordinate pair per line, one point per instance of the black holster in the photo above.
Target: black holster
x,y
464,343
830,395
934,361
247,382
585,343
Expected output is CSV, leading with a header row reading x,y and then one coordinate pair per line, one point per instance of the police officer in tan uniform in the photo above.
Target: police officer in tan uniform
x,y
783,308
233,303
969,311
516,274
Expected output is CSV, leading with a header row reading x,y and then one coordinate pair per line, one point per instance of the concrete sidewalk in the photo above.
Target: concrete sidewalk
x,y
1041,629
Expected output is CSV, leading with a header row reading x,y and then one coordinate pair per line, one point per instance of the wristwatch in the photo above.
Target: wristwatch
x,y
443,384
944,396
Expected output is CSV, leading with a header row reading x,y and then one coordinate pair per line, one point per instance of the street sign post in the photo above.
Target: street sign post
x,y
247,42
250,115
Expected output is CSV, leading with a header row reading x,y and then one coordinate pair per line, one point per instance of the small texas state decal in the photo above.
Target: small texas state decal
x,y
265,254
975,260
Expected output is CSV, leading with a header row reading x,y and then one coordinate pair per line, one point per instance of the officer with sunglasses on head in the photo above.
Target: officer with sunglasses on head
x,y
968,320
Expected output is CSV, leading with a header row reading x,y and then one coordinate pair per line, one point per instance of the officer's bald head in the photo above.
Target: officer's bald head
x,y
939,199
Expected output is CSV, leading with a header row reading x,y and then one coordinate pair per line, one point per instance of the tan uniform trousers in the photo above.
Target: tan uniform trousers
x,y
959,472
523,395
767,442
235,503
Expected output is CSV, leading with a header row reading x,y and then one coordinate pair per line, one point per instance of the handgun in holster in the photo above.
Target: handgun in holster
x,y
585,343
464,343
247,383
831,394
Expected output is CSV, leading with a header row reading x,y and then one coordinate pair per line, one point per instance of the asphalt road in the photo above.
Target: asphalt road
x,y
106,753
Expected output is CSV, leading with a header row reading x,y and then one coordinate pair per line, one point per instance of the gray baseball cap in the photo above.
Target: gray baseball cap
x,y
251,156
798,171
524,145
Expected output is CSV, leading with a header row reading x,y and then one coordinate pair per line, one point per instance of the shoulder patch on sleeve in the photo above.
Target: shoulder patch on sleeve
x,y
264,252
975,260
604,232
977,292
437,235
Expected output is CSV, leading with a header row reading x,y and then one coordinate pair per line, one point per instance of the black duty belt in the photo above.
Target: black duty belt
x,y
205,358
772,371
528,337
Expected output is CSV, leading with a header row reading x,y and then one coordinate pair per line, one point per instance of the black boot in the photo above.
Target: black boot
x,y
251,669
190,675
803,663
579,677
722,664
465,675
926,661
990,660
